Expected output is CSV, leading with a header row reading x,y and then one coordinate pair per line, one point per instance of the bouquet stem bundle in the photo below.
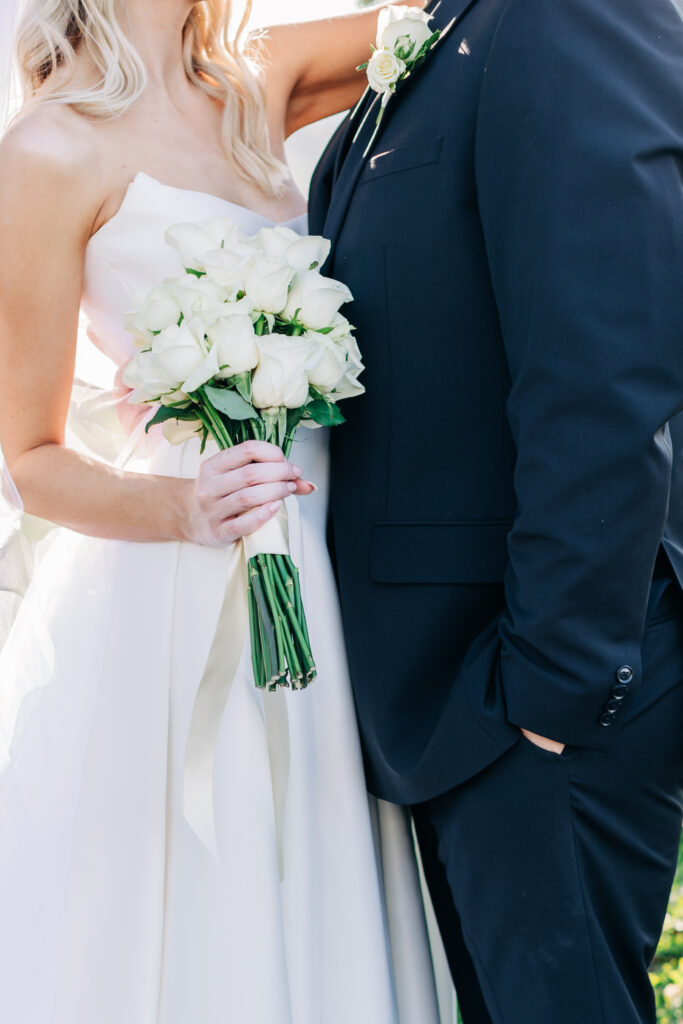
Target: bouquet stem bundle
x,y
280,646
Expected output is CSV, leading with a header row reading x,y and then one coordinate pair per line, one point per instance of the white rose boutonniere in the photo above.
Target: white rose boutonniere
x,y
404,40
384,70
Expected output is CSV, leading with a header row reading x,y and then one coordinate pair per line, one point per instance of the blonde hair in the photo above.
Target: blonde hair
x,y
52,31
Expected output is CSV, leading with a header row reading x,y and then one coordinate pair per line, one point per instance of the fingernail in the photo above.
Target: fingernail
x,y
309,484
274,506
297,471
291,487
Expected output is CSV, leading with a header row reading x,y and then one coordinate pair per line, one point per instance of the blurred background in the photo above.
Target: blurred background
x,y
306,146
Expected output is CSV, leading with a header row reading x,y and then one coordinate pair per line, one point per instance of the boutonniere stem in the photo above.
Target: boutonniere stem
x,y
404,41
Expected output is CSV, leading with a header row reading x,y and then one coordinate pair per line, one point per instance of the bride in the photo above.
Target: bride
x,y
138,116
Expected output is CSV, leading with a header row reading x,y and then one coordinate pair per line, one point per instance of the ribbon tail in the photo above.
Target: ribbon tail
x,y
212,696
279,751
214,690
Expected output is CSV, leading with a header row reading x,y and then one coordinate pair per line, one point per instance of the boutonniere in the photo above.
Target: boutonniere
x,y
404,40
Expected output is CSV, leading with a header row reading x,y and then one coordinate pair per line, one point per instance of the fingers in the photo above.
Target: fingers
x,y
218,485
243,454
246,524
250,498
240,489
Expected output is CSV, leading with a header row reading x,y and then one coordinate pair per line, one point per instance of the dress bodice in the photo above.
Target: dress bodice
x,y
128,255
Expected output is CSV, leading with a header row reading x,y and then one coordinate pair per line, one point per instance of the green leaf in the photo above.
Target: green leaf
x,y
294,418
424,50
326,414
230,403
171,412
195,273
242,382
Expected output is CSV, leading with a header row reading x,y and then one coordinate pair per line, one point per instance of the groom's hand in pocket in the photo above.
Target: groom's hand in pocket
x,y
238,491
541,741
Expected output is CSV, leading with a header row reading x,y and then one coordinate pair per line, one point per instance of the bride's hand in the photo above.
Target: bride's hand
x,y
239,490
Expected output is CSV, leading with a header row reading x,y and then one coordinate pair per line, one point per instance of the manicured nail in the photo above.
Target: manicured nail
x,y
274,506
297,471
291,487
312,486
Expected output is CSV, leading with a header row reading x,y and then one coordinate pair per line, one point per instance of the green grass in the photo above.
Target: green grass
x,y
667,970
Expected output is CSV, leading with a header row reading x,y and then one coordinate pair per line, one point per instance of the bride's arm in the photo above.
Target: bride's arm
x,y
310,67
48,206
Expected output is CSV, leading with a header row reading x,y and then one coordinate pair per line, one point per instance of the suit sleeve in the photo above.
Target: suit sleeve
x,y
578,163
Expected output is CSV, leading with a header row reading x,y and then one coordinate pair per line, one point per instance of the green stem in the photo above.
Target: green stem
x,y
269,590
292,657
256,651
294,573
213,422
298,626
267,630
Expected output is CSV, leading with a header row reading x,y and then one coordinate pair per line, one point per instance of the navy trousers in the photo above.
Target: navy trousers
x,y
551,873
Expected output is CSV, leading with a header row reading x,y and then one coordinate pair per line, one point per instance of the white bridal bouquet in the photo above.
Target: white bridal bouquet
x,y
249,343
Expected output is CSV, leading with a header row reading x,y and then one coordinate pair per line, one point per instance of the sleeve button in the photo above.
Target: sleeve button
x,y
620,690
625,674
613,705
606,719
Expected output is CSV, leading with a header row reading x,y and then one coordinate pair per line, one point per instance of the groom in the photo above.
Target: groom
x,y
507,499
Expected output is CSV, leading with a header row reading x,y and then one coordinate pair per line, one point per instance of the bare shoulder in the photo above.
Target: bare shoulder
x,y
50,155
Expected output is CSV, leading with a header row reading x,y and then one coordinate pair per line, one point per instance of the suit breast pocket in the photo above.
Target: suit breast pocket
x,y
402,158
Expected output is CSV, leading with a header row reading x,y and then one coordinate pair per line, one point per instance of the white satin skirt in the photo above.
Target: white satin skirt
x,y
112,909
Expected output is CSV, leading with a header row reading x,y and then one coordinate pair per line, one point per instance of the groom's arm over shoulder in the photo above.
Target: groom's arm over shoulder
x,y
310,67
579,168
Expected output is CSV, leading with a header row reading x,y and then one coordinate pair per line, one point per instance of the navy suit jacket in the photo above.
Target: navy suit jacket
x,y
514,243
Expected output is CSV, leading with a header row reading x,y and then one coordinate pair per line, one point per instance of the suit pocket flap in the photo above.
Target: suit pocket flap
x,y
459,552
404,158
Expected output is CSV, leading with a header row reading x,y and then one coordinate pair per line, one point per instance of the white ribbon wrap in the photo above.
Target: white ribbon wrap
x,y
214,689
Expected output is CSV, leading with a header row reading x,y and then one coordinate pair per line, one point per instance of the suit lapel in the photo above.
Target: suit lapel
x,y
350,161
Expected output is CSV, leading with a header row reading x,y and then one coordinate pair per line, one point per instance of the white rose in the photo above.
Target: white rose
x,y
341,335
267,284
384,70
235,342
300,251
191,241
178,431
332,365
309,251
228,269
160,310
348,387
275,242
315,300
198,297
225,234
403,31
176,355
281,377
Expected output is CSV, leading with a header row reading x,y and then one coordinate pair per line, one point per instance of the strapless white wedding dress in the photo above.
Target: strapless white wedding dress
x,y
111,909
